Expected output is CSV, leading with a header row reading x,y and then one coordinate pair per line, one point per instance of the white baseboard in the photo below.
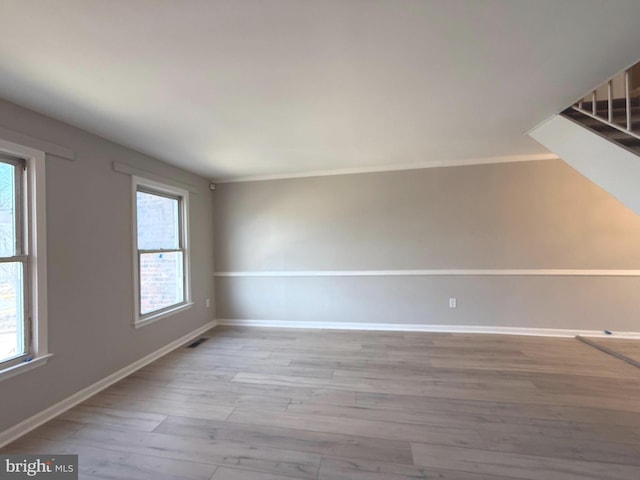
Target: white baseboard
x,y
405,327
24,427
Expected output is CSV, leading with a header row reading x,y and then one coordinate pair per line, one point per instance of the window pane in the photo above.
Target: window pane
x,y
11,311
158,221
161,282
7,210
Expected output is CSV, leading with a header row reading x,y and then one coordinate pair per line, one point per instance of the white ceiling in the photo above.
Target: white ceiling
x,y
236,88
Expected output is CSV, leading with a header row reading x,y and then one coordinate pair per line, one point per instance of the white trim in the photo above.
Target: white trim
x,y
138,319
53,411
36,209
38,252
164,314
20,138
400,327
393,168
138,172
436,272
24,367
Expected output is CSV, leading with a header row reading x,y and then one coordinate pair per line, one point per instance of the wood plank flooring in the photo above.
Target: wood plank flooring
x,y
267,404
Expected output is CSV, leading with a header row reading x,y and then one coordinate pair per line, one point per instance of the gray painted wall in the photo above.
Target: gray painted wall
x,y
90,257
508,216
528,215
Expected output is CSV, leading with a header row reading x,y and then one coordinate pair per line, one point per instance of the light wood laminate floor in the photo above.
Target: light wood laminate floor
x,y
267,404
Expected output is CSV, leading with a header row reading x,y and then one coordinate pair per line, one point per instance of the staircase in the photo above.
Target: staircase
x,y
599,136
620,136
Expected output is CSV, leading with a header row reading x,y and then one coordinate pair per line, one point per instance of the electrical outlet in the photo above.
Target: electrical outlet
x,y
207,302
453,303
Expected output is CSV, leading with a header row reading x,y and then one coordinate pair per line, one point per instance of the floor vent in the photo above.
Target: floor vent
x,y
196,343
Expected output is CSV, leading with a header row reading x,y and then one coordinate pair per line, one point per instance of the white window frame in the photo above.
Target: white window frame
x,y
161,188
34,207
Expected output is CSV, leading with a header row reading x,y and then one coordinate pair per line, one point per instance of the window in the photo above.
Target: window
x,y
162,254
14,324
23,339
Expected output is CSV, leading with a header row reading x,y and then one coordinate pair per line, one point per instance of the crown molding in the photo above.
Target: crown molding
x,y
392,168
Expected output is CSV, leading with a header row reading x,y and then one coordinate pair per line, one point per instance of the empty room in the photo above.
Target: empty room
x,y
320,239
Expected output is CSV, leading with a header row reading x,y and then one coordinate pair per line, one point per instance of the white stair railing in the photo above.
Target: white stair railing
x,y
622,89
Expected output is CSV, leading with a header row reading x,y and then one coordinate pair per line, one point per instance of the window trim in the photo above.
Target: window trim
x,y
20,255
154,187
35,238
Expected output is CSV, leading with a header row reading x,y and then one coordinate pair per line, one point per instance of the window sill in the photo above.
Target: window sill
x,y
24,367
161,315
